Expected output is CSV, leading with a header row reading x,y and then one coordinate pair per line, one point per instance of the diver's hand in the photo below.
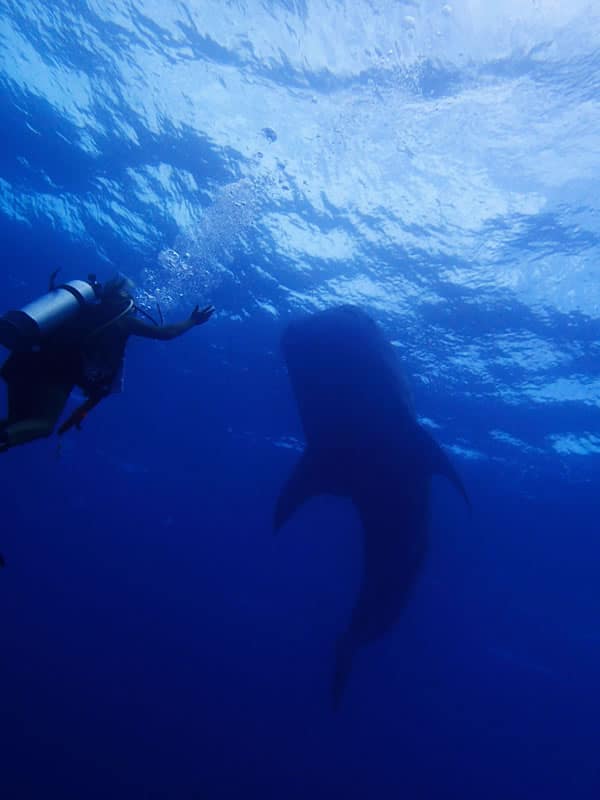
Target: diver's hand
x,y
200,316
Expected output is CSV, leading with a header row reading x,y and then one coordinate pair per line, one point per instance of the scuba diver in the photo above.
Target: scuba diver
x,y
75,335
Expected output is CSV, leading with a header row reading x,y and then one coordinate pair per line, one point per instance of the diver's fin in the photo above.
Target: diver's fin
x,y
438,462
344,655
304,482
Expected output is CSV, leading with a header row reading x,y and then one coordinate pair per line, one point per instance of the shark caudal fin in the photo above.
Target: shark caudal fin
x,y
306,480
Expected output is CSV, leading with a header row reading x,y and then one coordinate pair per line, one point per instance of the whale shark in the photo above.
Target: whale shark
x,y
363,441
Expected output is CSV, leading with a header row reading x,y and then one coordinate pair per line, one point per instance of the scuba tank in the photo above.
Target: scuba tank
x,y
26,328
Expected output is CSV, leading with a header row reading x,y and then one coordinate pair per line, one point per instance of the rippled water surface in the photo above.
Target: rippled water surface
x,y
437,163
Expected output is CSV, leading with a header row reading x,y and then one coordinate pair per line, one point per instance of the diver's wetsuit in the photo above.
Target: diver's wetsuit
x,y
87,353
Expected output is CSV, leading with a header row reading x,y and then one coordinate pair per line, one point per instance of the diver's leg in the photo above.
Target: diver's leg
x,y
3,436
33,410
3,424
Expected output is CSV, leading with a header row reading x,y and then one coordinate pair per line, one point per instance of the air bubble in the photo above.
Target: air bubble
x,y
199,260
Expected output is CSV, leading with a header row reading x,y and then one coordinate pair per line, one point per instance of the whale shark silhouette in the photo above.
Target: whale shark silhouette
x,y
362,441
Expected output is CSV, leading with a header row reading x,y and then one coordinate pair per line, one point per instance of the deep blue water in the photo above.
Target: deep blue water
x,y
435,163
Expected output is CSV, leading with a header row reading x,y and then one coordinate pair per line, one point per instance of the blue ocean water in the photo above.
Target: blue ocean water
x,y
436,163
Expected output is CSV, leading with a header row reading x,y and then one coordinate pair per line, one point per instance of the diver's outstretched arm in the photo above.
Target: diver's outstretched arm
x,y
136,327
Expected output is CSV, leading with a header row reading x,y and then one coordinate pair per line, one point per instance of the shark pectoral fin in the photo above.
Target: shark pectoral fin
x,y
440,463
344,655
304,482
